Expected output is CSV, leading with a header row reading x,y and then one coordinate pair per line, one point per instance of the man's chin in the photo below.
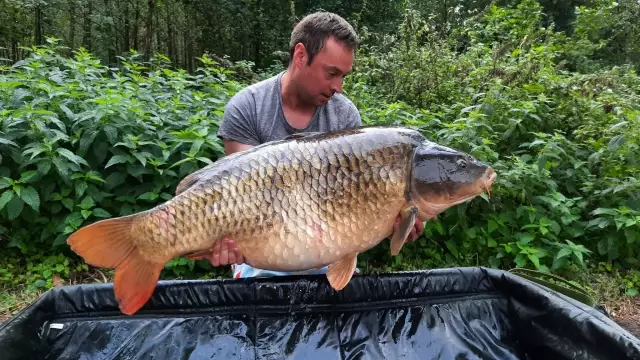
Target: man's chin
x,y
323,100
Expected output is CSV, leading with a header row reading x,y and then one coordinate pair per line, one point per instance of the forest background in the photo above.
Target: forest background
x,y
106,105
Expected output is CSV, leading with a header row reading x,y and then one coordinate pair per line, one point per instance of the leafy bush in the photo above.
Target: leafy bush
x,y
81,142
564,143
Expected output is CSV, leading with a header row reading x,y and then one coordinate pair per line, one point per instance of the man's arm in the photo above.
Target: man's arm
x,y
239,128
238,132
231,146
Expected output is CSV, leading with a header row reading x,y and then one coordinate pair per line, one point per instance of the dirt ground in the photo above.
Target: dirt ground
x,y
626,312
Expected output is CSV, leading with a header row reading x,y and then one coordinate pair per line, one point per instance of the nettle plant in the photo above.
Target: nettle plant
x,y
81,142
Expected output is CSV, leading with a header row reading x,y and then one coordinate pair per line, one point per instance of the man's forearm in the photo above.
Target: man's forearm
x,y
231,147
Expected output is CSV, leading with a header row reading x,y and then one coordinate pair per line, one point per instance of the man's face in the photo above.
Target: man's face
x,y
320,80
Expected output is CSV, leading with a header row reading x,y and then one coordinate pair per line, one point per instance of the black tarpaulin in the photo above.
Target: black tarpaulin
x,y
462,313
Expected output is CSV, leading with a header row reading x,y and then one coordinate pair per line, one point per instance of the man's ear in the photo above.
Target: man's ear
x,y
300,57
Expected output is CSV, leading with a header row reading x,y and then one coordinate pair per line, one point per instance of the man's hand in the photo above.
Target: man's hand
x,y
225,252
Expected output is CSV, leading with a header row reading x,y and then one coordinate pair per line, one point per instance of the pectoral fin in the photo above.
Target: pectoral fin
x,y
199,255
339,273
408,215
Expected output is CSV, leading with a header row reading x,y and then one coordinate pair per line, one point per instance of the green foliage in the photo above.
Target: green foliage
x,y
565,144
38,271
561,126
81,142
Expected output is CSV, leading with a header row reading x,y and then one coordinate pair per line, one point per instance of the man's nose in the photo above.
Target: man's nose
x,y
336,85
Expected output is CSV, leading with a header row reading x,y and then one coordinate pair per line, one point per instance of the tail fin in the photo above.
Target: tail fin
x,y
109,243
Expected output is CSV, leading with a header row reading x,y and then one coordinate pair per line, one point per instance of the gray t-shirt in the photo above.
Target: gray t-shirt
x,y
254,115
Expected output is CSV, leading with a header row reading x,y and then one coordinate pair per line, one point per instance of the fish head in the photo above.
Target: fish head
x,y
443,177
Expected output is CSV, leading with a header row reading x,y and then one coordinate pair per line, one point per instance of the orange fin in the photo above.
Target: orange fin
x,y
198,255
408,215
135,280
109,243
340,273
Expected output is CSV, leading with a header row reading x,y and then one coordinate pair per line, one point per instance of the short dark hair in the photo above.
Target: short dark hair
x,y
314,29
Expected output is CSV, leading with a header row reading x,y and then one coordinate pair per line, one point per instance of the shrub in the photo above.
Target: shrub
x,y
82,142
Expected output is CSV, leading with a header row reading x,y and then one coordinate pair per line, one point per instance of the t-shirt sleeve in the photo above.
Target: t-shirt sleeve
x,y
238,121
354,119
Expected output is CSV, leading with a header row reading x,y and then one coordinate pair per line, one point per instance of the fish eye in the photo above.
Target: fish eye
x,y
462,163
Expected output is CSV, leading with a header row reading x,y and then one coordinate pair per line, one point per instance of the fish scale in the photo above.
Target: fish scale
x,y
297,204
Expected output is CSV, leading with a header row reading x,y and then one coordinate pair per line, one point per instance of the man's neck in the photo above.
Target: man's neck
x,y
298,113
291,97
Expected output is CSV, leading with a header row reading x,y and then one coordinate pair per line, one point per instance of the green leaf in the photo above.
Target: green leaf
x,y
534,259
87,203
142,157
563,253
632,292
195,147
452,247
30,196
14,208
578,255
68,203
118,159
27,176
7,142
86,140
492,226
526,238
600,211
81,188
205,160
148,196
616,142
6,197
67,111
4,183
72,157
112,133
102,213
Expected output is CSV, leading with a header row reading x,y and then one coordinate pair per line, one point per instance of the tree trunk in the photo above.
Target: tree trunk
x,y
72,26
136,26
257,38
158,28
149,35
86,37
126,41
38,24
170,36
111,33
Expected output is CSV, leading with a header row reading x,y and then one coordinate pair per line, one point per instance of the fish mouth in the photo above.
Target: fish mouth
x,y
490,177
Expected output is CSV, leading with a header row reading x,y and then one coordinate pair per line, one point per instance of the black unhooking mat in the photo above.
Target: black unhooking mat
x,y
462,313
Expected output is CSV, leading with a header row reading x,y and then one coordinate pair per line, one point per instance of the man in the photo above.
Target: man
x,y
304,98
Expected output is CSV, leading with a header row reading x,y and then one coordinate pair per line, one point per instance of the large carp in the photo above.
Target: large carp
x,y
305,202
